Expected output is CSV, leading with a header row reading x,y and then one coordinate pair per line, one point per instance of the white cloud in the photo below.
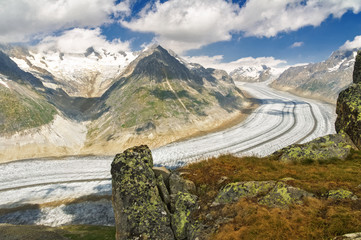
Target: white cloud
x,y
78,40
186,24
297,44
217,62
349,45
265,18
22,20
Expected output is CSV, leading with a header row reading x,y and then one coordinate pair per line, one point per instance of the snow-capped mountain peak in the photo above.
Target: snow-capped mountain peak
x,y
86,74
254,73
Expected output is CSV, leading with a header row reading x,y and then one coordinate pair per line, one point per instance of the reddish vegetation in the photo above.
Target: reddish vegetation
x,y
316,219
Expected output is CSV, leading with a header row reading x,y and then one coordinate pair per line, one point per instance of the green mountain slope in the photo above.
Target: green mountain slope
x,y
21,108
22,104
159,94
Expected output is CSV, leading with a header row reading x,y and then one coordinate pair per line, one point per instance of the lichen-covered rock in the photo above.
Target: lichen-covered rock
x,y
184,204
321,149
341,194
163,191
178,184
138,207
282,195
232,192
357,69
162,171
349,236
349,107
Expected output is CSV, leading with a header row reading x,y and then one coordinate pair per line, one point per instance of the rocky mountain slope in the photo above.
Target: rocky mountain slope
x,y
22,104
159,99
349,107
157,96
324,80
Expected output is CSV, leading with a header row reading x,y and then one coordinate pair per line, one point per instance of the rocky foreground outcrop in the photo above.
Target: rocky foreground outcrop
x,y
150,203
155,203
322,149
349,107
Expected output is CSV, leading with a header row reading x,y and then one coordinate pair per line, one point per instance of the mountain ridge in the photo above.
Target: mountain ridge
x,y
323,80
158,98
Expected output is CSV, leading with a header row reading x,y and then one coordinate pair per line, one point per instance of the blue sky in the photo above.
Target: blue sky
x,y
212,32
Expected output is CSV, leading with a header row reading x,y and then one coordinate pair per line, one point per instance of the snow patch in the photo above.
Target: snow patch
x,y
335,68
51,85
2,82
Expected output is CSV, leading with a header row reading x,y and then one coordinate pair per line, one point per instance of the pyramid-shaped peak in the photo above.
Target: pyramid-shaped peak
x,y
158,63
154,48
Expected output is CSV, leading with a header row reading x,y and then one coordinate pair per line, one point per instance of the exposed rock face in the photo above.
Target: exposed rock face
x,y
349,107
357,69
150,204
138,208
321,149
183,204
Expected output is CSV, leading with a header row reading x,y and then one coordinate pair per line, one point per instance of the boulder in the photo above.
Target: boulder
x,y
138,207
178,184
150,202
232,192
162,171
348,107
341,194
333,146
163,191
357,69
349,236
184,204
282,195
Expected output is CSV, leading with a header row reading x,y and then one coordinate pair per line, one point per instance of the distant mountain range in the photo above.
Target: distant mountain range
x,y
324,80
87,74
259,73
102,102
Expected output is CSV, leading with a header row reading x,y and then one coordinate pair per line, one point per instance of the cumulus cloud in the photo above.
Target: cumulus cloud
x,y
22,20
297,44
217,62
187,24
78,40
265,18
349,45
